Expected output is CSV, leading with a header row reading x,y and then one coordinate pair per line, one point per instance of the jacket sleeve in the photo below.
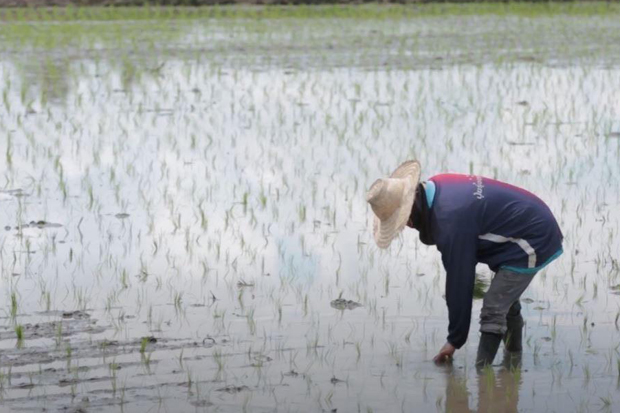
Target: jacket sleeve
x,y
458,253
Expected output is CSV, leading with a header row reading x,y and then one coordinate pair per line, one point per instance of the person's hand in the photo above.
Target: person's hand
x,y
445,354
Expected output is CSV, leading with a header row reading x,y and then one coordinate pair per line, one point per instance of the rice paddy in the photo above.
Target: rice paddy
x,y
183,224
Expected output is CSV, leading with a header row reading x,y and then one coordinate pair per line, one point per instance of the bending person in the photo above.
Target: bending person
x,y
472,219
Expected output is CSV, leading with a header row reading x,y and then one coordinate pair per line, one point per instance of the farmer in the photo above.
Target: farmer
x,y
472,219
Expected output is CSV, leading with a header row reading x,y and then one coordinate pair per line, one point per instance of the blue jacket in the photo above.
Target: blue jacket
x,y
475,219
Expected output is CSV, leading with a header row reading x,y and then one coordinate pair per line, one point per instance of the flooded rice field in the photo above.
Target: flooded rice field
x,y
183,224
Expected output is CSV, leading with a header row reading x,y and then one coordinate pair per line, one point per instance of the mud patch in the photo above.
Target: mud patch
x,y
342,304
10,193
233,389
75,352
43,224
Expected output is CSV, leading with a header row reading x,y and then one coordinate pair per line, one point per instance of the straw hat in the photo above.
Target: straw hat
x,y
391,200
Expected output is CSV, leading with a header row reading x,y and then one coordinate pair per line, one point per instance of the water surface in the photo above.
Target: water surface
x,y
181,201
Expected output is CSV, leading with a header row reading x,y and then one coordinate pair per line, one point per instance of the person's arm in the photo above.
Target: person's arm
x,y
458,253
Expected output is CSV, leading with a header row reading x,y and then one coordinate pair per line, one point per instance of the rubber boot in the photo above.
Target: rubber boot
x,y
487,349
513,339
512,361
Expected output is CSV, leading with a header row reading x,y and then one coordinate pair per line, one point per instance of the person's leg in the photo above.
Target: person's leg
x,y
505,290
487,348
513,338
514,329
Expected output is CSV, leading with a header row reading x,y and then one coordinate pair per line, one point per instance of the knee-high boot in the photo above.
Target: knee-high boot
x,y
513,339
487,348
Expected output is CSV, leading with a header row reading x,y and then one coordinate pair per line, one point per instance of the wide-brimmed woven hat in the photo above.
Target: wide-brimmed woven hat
x,y
391,200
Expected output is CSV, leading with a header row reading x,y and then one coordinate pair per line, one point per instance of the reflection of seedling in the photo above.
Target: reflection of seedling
x,y
81,298
408,336
13,305
251,322
586,374
219,360
219,315
124,279
606,402
178,299
244,202
489,379
240,299
9,146
328,398
69,352
302,213
91,197
305,306
48,301
246,402
278,303
19,331
143,343
536,351
113,383
396,355
312,344
62,185
113,366
579,302
515,370
59,334
242,283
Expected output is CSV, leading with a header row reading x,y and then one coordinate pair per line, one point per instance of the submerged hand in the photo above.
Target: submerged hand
x,y
444,354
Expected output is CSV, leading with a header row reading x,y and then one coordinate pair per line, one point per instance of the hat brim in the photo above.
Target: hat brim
x,y
386,230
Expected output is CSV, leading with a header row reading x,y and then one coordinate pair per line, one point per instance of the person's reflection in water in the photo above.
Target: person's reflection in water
x,y
498,389
457,396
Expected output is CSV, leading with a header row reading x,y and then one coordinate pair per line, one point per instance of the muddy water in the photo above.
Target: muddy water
x,y
178,217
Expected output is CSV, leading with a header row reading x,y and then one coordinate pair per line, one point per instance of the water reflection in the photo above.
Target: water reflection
x,y
44,80
498,389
